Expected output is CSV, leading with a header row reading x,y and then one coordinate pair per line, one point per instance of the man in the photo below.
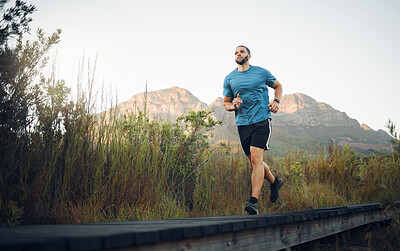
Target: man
x,y
246,93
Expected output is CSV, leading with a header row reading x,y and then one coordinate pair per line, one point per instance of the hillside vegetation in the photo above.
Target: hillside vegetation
x,y
128,168
301,123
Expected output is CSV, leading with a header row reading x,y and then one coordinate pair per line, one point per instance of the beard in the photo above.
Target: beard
x,y
243,61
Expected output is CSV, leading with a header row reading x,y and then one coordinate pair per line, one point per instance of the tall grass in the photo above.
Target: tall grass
x,y
131,168
94,168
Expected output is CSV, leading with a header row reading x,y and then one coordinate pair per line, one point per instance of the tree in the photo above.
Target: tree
x,y
19,67
395,141
194,149
21,98
15,20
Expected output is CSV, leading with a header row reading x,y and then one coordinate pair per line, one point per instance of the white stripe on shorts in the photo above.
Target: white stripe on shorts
x,y
269,136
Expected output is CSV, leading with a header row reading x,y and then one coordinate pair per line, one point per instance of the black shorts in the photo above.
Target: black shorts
x,y
257,135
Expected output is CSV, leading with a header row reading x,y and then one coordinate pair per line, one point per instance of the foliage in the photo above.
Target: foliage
x,y
195,148
395,141
20,65
15,20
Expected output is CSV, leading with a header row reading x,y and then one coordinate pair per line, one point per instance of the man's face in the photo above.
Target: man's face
x,y
241,55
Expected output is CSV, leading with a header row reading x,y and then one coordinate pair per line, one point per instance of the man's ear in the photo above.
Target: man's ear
x,y
249,56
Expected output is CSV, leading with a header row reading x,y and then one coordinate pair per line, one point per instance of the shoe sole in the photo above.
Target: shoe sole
x,y
250,210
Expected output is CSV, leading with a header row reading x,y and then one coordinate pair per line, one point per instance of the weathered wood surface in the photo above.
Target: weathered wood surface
x,y
238,232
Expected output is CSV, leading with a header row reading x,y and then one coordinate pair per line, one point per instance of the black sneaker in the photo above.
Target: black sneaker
x,y
275,190
251,208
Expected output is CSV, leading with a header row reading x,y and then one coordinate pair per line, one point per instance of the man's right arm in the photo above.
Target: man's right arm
x,y
232,105
228,104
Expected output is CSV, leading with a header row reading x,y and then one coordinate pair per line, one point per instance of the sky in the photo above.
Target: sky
x,y
345,53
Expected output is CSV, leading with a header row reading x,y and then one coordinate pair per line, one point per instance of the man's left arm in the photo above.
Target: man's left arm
x,y
274,106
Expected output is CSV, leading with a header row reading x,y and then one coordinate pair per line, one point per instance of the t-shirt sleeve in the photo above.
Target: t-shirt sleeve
x,y
227,92
270,79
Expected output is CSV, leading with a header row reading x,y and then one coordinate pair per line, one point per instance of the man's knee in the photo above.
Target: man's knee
x,y
256,156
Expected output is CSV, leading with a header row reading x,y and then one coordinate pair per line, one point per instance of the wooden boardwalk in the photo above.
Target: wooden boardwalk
x,y
239,232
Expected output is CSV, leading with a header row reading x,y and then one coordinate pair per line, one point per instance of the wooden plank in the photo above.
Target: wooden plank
x,y
274,237
267,231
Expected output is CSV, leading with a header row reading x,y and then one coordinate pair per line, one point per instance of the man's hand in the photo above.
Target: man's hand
x,y
237,101
274,107
231,105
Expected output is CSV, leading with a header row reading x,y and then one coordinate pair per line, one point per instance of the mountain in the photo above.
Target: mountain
x,y
166,104
301,110
301,122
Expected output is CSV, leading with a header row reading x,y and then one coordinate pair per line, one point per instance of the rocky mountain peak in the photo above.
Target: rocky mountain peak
x,y
217,102
365,127
307,112
294,102
166,104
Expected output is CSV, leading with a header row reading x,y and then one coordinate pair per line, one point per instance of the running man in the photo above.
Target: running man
x,y
246,92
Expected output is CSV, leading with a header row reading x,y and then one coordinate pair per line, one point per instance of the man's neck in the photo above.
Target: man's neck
x,y
243,67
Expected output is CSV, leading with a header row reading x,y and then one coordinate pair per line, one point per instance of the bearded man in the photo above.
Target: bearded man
x,y
245,92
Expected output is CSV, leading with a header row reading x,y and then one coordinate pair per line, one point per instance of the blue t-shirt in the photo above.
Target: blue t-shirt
x,y
252,88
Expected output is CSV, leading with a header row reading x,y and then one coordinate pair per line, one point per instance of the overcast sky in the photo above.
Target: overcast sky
x,y
344,53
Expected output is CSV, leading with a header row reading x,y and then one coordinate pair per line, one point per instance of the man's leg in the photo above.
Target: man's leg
x,y
267,174
257,179
257,176
275,183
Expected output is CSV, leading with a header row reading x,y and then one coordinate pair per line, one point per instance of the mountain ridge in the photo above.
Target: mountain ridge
x,y
300,118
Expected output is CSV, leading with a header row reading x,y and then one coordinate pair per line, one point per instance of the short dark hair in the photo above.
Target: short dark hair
x,y
247,49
